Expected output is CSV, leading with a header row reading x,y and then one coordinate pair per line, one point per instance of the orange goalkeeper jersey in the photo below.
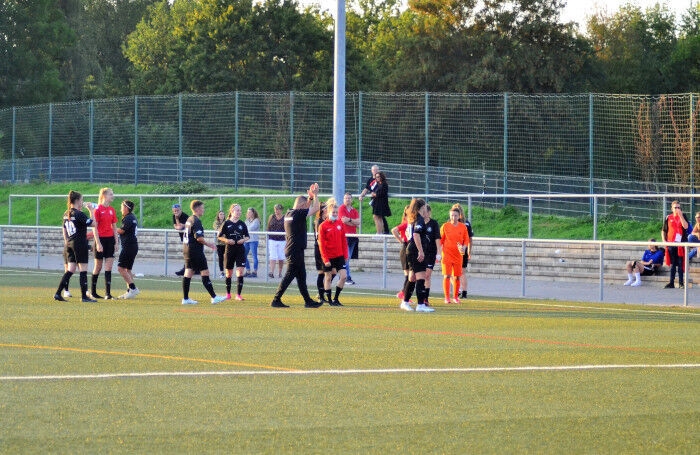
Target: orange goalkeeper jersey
x,y
450,236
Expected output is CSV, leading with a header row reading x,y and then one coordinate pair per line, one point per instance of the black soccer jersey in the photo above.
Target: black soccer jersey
x,y
432,234
193,230
128,238
75,224
295,231
234,230
417,227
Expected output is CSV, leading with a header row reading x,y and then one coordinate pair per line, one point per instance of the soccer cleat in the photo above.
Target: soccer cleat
x,y
217,299
636,283
59,298
406,306
108,297
629,282
350,282
447,300
189,302
669,286
124,296
180,272
228,296
87,299
312,304
135,292
94,295
399,295
239,297
277,303
335,303
456,300
423,308
67,294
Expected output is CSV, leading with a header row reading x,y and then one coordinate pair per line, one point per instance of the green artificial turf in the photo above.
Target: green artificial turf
x,y
150,375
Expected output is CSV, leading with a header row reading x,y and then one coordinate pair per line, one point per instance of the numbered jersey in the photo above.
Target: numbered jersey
x,y
193,230
75,225
129,226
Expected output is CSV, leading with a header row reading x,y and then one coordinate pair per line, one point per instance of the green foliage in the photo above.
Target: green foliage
x,y
188,187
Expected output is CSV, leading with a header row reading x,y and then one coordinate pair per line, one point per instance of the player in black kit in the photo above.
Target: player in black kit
x,y
234,233
75,225
195,260
130,248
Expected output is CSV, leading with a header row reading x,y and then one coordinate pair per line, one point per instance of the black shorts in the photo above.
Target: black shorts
x,y
234,256
465,260
127,256
413,264
402,256
196,263
77,253
107,248
430,260
336,263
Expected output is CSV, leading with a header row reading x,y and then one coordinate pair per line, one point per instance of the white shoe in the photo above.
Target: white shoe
x,y
67,294
423,308
134,292
217,299
130,294
189,302
406,306
629,282
636,283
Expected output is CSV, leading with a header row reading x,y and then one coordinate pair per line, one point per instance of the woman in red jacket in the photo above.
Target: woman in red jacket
x,y
334,252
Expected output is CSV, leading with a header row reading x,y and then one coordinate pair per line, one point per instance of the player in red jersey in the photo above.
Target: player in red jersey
x,y
105,232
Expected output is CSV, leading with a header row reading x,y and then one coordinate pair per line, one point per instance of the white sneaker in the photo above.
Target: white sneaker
x,y
636,283
67,294
189,302
423,308
130,294
406,306
134,292
629,282
218,299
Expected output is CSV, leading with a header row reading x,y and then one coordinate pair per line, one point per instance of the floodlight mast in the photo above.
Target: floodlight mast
x,y
339,104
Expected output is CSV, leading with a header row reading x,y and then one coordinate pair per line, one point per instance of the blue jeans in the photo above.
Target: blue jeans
x,y
694,252
352,244
251,247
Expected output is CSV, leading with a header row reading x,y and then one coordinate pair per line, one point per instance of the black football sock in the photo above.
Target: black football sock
x,y
228,284
93,287
83,284
208,286
239,287
186,287
338,289
108,282
64,282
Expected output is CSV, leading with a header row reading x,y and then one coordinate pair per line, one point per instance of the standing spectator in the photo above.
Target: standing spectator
x,y
252,221
129,248
454,244
675,230
417,241
399,233
275,242
295,235
432,249
651,261
694,236
220,246
179,220
75,224
234,234
371,183
380,203
350,218
334,252
195,260
105,233
468,252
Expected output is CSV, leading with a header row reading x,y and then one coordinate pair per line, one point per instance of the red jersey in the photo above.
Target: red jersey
x,y
351,213
331,240
105,217
402,231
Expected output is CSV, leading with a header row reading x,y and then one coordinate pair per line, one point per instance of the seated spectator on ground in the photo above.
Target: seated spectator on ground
x,y
651,262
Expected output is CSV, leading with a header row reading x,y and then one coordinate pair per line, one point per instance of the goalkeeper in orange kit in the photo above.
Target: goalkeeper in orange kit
x,y
455,242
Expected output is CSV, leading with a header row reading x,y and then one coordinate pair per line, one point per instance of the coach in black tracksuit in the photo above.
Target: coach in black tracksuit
x,y
295,235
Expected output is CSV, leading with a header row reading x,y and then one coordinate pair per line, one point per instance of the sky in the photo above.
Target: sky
x,y
575,10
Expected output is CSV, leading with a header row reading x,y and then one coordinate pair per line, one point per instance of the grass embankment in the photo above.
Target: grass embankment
x,y
506,222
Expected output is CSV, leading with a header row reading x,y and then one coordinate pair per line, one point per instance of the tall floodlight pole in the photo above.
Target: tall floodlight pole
x,y
339,104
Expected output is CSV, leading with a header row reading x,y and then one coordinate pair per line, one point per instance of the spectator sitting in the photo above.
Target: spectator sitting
x,y
650,264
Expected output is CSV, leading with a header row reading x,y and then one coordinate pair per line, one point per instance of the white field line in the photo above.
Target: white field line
x,y
384,371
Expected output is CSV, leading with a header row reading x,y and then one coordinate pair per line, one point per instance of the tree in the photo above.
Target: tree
x,y
33,38
213,46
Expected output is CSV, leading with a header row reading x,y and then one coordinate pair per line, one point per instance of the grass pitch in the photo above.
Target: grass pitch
x,y
152,376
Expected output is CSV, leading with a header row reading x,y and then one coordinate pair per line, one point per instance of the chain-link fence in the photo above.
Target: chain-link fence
x,y
426,142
